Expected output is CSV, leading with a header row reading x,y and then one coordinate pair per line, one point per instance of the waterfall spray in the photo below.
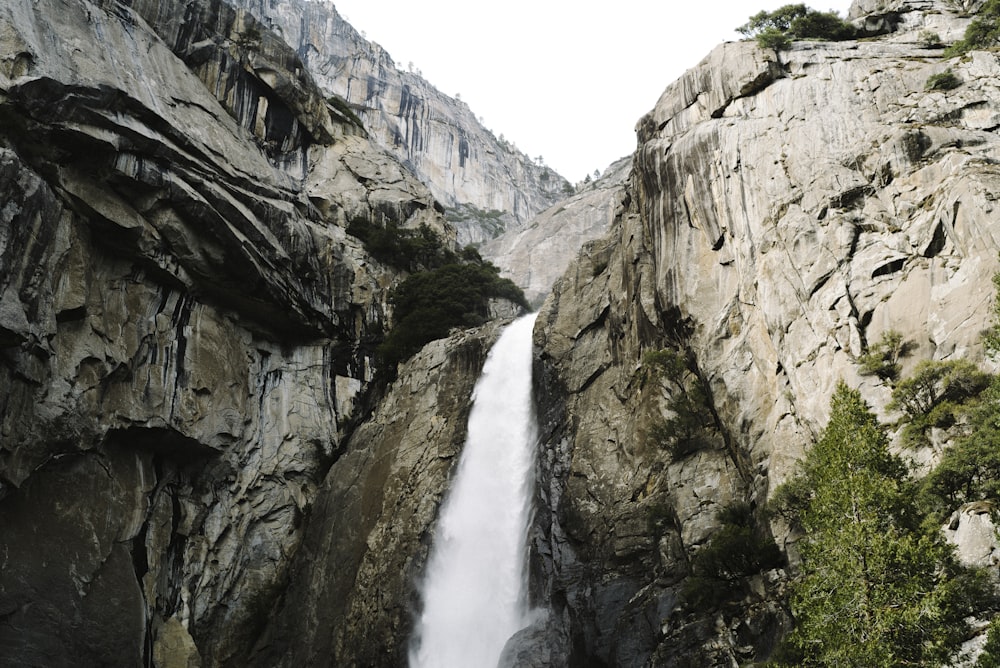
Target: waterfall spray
x,y
475,586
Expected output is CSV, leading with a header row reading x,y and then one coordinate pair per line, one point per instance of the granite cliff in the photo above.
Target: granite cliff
x,y
784,211
200,462
485,182
186,328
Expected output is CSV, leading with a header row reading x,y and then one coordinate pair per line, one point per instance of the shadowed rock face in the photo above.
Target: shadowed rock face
x,y
783,213
185,327
352,597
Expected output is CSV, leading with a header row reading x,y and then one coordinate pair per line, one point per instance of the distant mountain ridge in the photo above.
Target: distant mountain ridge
x,y
485,182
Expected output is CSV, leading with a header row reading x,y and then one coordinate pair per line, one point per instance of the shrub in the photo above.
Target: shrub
x,y
428,304
990,658
736,550
946,80
882,358
933,383
983,32
934,395
970,469
684,432
412,250
776,30
930,40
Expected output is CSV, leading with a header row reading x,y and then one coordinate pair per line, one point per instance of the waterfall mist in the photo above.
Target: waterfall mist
x,y
475,586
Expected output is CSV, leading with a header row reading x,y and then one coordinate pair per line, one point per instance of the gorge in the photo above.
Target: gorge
x,y
206,460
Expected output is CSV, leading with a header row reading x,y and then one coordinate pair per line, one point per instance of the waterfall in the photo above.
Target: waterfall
x,y
475,585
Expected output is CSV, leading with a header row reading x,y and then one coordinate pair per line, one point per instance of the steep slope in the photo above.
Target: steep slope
x,y
784,211
488,183
185,327
351,599
535,254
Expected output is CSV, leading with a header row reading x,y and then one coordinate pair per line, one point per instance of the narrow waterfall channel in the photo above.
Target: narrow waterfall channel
x,y
475,585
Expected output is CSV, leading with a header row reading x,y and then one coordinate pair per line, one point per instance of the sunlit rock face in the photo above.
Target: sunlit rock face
x,y
536,253
438,137
185,326
783,213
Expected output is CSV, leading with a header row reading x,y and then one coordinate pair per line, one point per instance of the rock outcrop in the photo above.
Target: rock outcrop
x,y
199,464
185,327
784,211
488,183
352,596
535,254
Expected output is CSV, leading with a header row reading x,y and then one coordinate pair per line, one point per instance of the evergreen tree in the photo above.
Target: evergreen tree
x,y
875,589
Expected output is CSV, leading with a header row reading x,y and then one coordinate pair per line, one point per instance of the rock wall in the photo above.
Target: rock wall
x,y
185,328
784,211
352,597
535,253
436,136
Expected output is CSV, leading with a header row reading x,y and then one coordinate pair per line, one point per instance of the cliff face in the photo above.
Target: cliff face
x,y
197,466
185,327
784,212
436,136
537,252
352,595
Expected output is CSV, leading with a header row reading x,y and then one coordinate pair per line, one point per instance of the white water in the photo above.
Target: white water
x,y
475,586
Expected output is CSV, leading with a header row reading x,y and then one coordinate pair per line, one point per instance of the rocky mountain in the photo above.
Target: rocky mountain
x,y
486,183
186,328
200,461
536,253
785,210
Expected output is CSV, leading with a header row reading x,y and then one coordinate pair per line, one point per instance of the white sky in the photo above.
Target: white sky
x,y
563,80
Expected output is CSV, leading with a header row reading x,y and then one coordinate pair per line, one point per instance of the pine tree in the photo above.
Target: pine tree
x,y
875,589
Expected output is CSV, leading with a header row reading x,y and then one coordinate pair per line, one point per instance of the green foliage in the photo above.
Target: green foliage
x,y
822,25
875,588
446,290
736,550
946,80
412,250
882,358
990,658
930,39
776,30
983,32
683,433
780,20
428,304
490,220
934,395
970,469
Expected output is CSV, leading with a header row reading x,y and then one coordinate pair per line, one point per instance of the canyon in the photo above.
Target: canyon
x,y
203,461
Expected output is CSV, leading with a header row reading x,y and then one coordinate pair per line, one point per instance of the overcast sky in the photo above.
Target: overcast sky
x,y
563,80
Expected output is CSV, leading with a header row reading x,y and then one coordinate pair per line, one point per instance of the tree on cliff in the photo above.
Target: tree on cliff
x,y
777,29
982,33
875,587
